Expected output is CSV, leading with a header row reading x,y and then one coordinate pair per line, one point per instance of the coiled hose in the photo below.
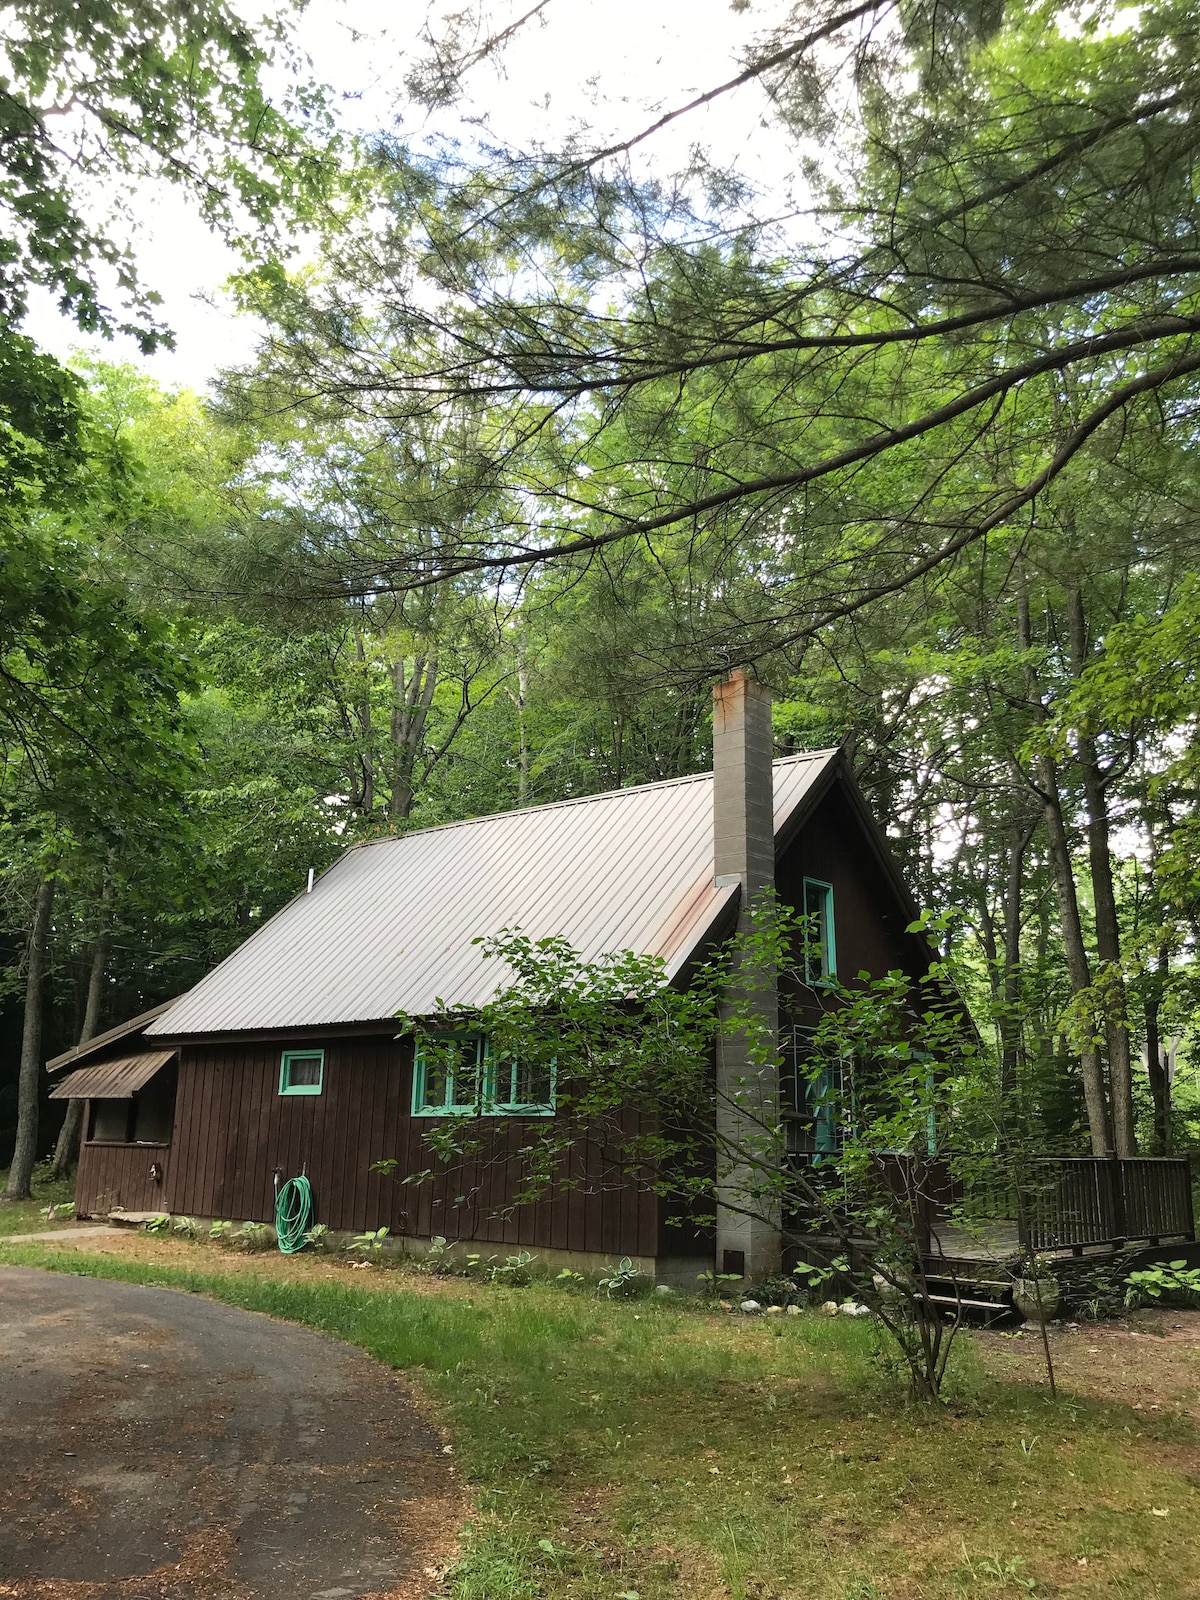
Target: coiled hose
x,y
293,1215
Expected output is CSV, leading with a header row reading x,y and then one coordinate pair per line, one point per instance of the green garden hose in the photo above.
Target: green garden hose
x,y
293,1215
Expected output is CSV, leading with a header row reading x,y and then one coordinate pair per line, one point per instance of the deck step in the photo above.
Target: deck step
x,y
968,1305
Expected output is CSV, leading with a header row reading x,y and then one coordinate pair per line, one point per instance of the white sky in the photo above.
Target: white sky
x,y
614,64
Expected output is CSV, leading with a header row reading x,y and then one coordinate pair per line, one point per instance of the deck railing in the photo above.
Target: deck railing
x,y
1075,1201
1052,1202
1069,1202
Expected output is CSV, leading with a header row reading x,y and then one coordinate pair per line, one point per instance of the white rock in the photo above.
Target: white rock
x,y
830,1308
793,1311
750,1307
853,1309
774,1311
663,1288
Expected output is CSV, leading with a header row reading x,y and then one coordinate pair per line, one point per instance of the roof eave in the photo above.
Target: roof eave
x,y
101,1041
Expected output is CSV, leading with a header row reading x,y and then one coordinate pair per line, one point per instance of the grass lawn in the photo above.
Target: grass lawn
x,y
666,1451
28,1216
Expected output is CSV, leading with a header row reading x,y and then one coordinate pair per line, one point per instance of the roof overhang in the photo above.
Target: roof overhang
x,y
101,1041
119,1079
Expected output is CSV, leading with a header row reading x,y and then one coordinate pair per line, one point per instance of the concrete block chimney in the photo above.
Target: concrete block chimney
x,y
749,1146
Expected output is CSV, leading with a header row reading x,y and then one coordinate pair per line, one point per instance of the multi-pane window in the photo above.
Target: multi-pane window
x,y
816,1105
301,1071
820,957
523,1086
459,1074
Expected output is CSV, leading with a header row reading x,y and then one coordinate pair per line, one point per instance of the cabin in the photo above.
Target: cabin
x,y
286,1059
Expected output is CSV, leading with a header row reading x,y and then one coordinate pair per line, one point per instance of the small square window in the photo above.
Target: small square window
x,y
301,1071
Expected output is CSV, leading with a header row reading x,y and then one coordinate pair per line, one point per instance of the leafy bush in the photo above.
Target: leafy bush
x,y
221,1232
438,1259
158,1224
1173,1281
317,1236
184,1226
253,1236
624,1280
369,1243
515,1271
1097,1294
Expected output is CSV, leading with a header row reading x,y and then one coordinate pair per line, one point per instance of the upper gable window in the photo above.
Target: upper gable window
x,y
820,959
458,1075
301,1071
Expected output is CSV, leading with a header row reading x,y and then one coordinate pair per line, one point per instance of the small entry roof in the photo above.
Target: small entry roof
x,y
112,1080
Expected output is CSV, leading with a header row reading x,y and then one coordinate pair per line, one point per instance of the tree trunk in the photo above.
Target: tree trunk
x,y
521,701
1156,1059
1059,853
28,1084
1108,933
66,1151
1020,832
362,709
411,701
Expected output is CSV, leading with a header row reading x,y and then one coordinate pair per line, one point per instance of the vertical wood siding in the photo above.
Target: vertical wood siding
x,y
119,1175
868,921
234,1131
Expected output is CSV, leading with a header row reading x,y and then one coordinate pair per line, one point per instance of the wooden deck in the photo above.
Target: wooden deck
x,y
997,1241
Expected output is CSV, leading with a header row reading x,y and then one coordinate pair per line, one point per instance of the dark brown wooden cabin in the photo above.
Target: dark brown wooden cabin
x,y
286,1059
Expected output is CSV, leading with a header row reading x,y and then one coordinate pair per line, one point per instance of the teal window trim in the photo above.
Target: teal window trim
x,y
822,1096
286,1086
446,1106
829,935
512,1107
486,1102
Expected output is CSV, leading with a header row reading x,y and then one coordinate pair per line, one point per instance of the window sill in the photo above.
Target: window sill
x,y
126,1144
491,1113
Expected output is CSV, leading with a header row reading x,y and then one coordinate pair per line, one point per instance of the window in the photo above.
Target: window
x,y
820,960
521,1087
448,1075
457,1075
110,1121
301,1071
820,1094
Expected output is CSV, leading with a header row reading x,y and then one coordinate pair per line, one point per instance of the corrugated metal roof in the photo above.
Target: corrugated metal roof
x,y
390,926
112,1080
100,1041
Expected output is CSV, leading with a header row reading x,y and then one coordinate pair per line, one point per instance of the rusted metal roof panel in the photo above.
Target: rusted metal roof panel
x,y
112,1080
390,927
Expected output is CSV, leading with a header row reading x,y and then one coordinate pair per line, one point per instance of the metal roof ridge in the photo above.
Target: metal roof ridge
x,y
576,800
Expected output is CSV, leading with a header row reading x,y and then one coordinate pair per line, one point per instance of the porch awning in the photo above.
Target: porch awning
x,y
113,1080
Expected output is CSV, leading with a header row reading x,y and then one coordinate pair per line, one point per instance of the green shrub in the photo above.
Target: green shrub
x,y
515,1270
369,1243
624,1281
1173,1281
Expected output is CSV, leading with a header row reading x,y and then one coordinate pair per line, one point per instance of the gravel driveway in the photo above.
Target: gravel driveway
x,y
157,1446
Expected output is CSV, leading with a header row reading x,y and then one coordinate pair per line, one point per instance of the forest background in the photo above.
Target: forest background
x,y
538,439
